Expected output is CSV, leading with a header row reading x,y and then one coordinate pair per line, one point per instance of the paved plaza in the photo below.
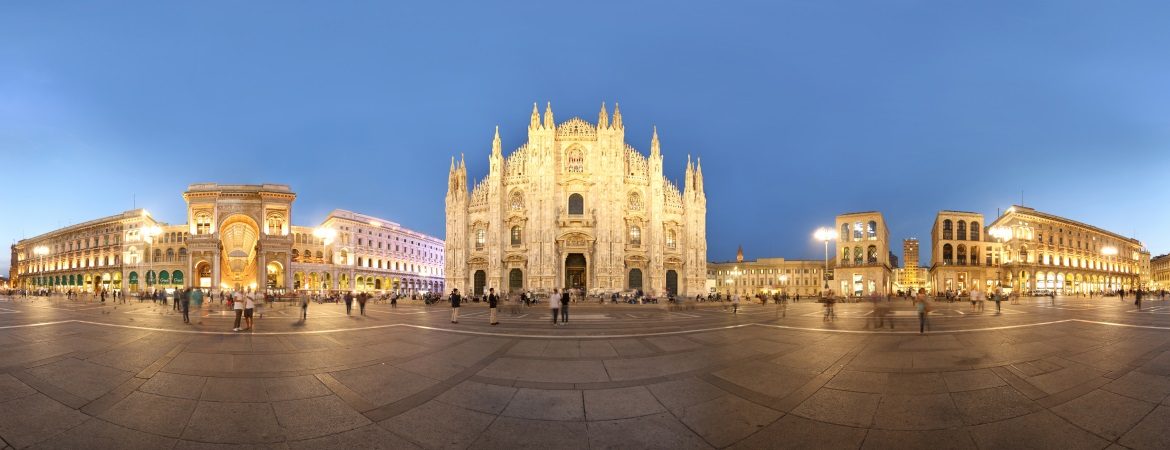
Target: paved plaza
x,y
1074,373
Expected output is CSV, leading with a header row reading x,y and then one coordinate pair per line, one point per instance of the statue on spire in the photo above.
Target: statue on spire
x,y
603,117
617,116
739,254
654,147
534,122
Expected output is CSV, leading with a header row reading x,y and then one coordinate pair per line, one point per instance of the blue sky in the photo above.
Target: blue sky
x,y
800,109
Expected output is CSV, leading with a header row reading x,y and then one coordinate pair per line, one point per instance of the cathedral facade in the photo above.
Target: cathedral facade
x,y
576,207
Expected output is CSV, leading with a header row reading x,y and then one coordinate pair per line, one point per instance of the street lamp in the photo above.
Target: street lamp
x,y
326,235
826,235
148,234
41,251
783,284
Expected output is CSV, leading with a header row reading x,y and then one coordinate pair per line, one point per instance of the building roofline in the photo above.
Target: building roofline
x,y
345,214
122,215
1027,210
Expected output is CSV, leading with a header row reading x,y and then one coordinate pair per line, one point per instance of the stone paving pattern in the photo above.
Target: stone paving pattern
x,y
618,377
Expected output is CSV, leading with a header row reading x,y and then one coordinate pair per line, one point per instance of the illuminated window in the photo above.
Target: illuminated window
x,y
871,230
858,231
670,242
516,239
635,235
202,224
480,238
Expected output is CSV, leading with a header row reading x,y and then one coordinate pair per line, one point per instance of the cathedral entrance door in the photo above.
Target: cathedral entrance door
x,y
575,271
672,282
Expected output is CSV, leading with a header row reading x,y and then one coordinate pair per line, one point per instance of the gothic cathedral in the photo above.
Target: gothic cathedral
x,y
576,207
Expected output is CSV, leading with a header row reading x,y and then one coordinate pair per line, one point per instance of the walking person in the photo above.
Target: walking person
x,y
394,301
362,299
565,297
304,308
923,310
554,304
493,302
238,307
186,304
348,302
997,297
196,298
455,300
735,304
1138,299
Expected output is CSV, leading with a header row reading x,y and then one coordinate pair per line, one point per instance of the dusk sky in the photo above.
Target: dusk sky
x,y
800,110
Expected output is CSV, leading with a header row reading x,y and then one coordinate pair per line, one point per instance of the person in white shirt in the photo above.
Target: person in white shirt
x,y
238,307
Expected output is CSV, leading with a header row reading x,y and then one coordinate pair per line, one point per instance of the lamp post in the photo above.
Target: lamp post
x,y
41,251
148,234
326,235
826,235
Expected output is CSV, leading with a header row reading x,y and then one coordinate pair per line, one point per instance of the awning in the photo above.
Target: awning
x,y
164,277
177,277
149,277
133,277
71,281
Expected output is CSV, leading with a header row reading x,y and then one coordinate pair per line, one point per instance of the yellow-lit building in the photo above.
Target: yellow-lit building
x,y
961,258
1041,251
863,249
767,276
910,277
1160,272
237,237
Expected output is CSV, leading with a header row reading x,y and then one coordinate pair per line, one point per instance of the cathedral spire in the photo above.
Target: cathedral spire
x,y
617,116
699,175
534,122
603,117
496,142
689,178
452,170
548,117
655,152
739,254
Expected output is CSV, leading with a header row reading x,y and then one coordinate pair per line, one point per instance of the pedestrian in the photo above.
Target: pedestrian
x,y
554,303
1138,299
196,298
735,304
362,299
348,302
923,310
184,298
565,307
238,307
103,296
394,301
455,300
493,302
998,297
249,308
976,299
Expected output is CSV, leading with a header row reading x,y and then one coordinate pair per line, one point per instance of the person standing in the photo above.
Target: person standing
x,y
238,307
998,297
554,303
249,309
1138,299
493,302
394,301
186,304
348,302
565,307
362,299
455,300
304,308
735,304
